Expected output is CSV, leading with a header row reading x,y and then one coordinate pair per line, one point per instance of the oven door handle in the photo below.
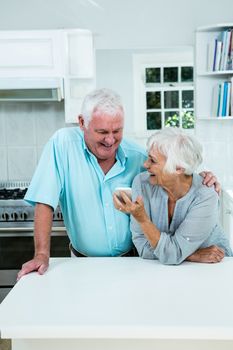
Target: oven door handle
x,y
15,232
28,232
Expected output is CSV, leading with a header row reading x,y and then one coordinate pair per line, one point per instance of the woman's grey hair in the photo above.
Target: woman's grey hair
x,y
181,149
104,100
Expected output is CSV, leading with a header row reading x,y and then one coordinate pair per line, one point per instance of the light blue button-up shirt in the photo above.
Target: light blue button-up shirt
x,y
195,222
70,174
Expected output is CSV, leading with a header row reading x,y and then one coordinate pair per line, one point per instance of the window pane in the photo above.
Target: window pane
x,y
187,120
187,99
153,99
170,74
154,120
186,74
172,119
153,75
171,99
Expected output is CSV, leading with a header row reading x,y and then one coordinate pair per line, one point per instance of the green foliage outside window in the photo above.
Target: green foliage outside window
x,y
187,120
173,121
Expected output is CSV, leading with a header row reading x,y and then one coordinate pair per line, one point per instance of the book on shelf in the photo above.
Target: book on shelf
x,y
222,99
231,98
216,100
222,38
228,103
218,55
212,52
220,52
225,51
230,60
224,103
220,109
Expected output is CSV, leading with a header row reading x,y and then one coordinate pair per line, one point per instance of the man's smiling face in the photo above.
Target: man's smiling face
x,y
103,134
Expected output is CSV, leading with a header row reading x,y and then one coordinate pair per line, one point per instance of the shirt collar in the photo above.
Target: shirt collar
x,y
121,155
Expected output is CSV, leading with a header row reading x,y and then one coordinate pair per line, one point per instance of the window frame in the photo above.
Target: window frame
x,y
166,57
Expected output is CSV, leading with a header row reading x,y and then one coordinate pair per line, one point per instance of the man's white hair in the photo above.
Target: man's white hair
x,y
180,149
104,100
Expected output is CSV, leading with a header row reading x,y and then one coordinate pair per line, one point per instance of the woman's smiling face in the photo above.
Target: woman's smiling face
x,y
155,164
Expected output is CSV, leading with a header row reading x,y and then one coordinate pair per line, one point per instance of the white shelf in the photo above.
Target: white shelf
x,y
215,118
216,27
206,80
216,73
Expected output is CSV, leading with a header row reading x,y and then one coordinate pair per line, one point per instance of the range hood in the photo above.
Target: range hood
x,y
31,89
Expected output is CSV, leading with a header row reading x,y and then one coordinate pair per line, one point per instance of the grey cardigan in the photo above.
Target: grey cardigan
x,y
195,221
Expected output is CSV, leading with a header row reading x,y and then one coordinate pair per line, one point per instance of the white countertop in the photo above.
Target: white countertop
x,y
121,298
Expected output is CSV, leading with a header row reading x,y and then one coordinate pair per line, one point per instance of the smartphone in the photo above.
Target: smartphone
x,y
126,190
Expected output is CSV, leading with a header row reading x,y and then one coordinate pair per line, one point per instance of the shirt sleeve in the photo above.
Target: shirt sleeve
x,y
193,231
47,182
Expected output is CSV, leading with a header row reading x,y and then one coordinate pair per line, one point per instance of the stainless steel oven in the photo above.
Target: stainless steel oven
x,y
16,234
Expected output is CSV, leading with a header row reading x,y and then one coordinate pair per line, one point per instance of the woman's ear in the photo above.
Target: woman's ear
x,y
180,170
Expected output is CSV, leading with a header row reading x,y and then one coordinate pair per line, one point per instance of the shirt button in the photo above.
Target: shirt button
x,y
107,204
110,227
188,239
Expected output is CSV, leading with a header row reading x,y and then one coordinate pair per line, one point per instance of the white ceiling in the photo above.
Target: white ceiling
x,y
119,23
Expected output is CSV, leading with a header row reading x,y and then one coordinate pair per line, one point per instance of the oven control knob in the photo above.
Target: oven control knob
x,y
5,216
59,215
14,216
24,215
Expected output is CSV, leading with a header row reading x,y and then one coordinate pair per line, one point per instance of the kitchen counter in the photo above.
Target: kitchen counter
x,y
121,303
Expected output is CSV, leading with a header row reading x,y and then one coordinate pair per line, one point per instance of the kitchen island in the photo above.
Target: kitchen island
x,y
121,303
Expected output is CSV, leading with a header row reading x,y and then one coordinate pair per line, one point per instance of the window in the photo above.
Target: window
x,y
169,97
164,91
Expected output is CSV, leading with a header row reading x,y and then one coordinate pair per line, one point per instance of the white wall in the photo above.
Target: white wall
x,y
216,137
121,28
24,130
114,70
119,23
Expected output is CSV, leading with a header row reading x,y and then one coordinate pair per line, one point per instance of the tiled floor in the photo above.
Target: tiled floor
x,y
5,344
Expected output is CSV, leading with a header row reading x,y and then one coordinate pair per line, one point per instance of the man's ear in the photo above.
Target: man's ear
x,y
81,121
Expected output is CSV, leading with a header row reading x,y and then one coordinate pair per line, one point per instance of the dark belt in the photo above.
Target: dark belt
x,y
132,252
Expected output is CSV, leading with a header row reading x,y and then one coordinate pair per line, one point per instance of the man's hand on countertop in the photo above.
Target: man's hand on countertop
x,y
39,263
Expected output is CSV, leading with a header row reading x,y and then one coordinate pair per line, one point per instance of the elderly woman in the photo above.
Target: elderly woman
x,y
173,215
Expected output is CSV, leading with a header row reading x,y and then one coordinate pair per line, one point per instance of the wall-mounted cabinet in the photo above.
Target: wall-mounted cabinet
x,y
79,74
67,55
31,53
213,82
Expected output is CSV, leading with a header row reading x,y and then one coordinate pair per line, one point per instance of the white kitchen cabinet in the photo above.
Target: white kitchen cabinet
x,y
227,215
80,54
30,53
79,74
67,54
206,80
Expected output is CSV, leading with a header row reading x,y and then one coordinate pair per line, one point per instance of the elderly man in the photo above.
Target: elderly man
x,y
80,168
